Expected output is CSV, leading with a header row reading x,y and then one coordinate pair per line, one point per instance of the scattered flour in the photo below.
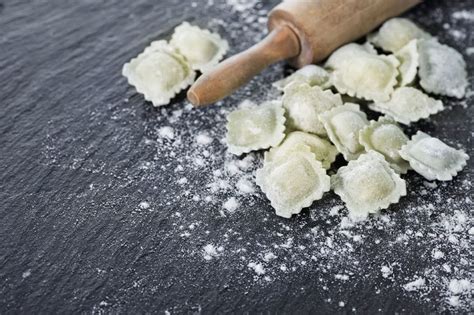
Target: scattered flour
x,y
203,139
464,14
231,204
415,284
144,205
257,267
166,132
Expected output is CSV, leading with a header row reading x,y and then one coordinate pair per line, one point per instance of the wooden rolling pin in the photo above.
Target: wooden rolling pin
x,y
306,31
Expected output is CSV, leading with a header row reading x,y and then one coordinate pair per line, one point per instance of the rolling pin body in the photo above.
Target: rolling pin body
x,y
306,31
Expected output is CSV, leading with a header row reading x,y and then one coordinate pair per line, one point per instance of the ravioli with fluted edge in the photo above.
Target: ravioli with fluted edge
x,y
368,184
159,73
442,69
408,105
304,103
296,141
342,125
202,49
387,138
432,158
293,182
396,33
310,74
255,128
360,72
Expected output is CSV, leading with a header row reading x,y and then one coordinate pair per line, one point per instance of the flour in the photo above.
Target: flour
x,y
415,284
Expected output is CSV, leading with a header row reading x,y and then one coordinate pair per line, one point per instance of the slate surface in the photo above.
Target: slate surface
x,y
79,152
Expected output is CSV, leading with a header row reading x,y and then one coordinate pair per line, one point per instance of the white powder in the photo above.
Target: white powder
x,y
144,205
203,139
210,251
166,132
269,256
245,186
459,286
257,267
26,274
437,254
464,14
231,204
182,181
386,271
415,284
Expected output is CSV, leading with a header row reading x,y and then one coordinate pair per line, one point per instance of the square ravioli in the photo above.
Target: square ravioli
x,y
387,138
293,182
432,158
358,71
296,141
310,74
408,105
159,73
343,124
202,49
303,104
255,128
368,184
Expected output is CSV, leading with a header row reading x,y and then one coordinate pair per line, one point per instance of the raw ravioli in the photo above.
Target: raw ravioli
x,y
296,141
310,74
255,128
408,57
359,72
442,69
408,105
293,182
368,184
432,158
396,33
387,138
202,49
304,103
343,124
158,73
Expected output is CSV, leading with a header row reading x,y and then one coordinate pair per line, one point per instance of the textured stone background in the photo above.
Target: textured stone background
x,y
80,152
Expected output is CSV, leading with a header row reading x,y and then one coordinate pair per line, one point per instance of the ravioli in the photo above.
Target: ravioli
x,y
396,33
442,69
343,124
256,128
408,105
387,138
202,49
368,184
358,71
297,141
432,158
310,74
304,103
293,182
408,57
158,73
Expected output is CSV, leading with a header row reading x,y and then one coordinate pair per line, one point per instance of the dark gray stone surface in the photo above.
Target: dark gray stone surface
x,y
80,150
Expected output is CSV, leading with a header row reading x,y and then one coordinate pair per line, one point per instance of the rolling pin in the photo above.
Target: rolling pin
x,y
303,31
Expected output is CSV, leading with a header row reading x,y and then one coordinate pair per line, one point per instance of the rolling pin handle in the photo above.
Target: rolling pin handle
x,y
282,43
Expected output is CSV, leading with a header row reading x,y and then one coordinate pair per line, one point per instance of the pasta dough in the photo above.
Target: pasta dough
x,y
293,182
310,74
442,69
368,184
396,33
296,141
255,128
432,158
408,57
202,49
408,105
343,124
385,137
304,103
158,73
358,71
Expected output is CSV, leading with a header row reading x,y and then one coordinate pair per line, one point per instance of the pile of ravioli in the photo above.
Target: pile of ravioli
x,y
318,117
164,68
